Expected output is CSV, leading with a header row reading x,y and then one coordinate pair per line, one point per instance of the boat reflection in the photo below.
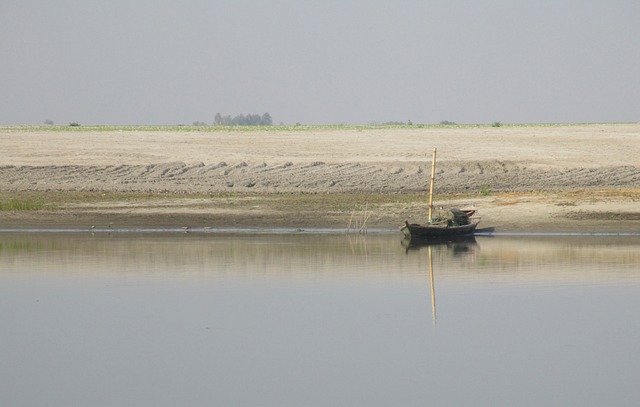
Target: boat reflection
x,y
455,246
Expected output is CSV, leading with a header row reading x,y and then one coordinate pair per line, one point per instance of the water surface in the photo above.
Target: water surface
x,y
329,319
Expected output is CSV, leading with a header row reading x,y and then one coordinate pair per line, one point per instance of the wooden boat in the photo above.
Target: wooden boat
x,y
463,221
441,230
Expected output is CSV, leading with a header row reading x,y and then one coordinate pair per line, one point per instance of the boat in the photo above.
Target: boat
x,y
460,221
442,230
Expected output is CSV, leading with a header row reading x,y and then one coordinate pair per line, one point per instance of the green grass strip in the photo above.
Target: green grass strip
x,y
14,204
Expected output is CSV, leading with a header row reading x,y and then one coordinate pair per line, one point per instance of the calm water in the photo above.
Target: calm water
x,y
304,319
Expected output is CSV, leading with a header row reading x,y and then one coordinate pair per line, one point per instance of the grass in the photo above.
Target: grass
x,y
359,211
300,206
358,220
86,208
17,204
279,128
300,203
290,202
344,202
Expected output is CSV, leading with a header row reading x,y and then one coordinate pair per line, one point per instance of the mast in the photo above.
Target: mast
x,y
433,176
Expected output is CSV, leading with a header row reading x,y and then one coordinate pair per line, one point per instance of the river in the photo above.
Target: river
x,y
317,319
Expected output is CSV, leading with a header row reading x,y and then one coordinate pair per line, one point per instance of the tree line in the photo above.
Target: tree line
x,y
243,120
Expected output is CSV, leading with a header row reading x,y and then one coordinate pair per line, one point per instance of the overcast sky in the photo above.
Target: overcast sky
x,y
319,62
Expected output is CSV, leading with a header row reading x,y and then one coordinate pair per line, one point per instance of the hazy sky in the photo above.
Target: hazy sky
x,y
319,62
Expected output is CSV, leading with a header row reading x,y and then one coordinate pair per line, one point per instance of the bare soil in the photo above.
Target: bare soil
x,y
541,178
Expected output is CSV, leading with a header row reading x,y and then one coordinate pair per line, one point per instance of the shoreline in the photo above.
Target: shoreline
x,y
549,212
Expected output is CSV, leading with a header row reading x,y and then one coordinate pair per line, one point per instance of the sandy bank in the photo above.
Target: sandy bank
x,y
526,177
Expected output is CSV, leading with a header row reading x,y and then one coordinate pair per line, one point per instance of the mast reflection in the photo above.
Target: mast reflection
x,y
433,287
456,246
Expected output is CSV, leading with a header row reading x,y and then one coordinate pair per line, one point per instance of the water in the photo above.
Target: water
x,y
317,319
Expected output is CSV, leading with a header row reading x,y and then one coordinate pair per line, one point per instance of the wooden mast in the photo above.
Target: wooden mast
x,y
433,175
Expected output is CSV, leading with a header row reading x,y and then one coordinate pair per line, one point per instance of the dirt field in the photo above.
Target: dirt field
x,y
543,178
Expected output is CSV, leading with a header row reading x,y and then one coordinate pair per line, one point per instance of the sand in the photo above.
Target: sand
x,y
542,178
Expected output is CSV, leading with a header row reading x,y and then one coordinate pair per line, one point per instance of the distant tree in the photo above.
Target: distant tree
x,y
242,120
447,122
48,122
265,120
252,120
238,120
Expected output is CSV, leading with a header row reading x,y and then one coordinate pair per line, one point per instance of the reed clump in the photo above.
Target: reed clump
x,y
15,204
358,220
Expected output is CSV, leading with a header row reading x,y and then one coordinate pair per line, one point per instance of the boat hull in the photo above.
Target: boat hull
x,y
418,231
